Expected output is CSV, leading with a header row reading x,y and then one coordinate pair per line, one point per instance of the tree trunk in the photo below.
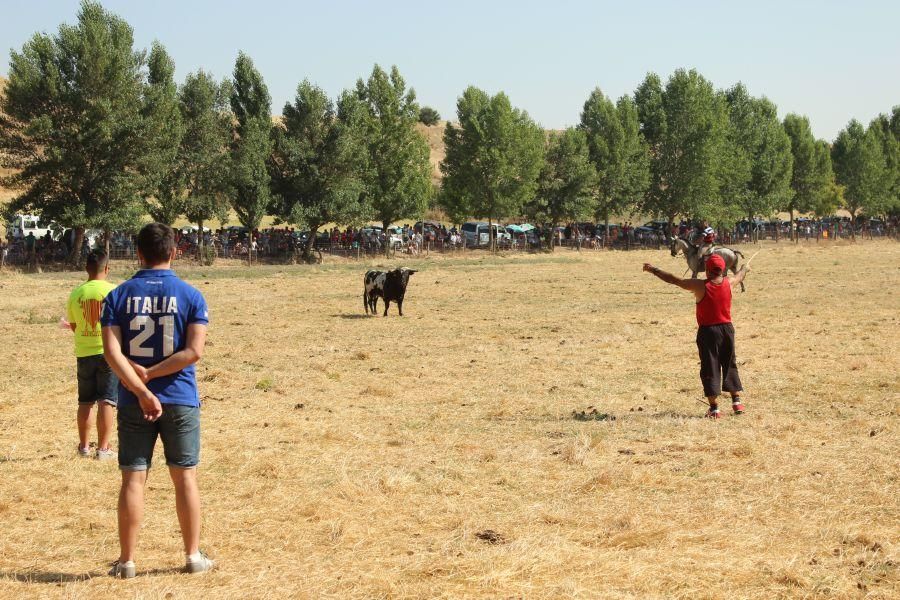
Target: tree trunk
x,y
75,254
199,237
387,238
491,234
606,226
310,243
551,235
106,234
791,226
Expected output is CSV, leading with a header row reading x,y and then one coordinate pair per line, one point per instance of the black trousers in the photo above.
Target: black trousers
x,y
718,363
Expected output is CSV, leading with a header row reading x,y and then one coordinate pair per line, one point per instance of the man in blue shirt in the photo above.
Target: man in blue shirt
x,y
154,330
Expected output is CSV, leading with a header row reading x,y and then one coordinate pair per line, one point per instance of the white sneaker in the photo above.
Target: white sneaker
x,y
200,565
106,454
122,570
84,452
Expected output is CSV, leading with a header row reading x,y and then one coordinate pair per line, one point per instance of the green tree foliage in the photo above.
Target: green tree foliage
x,y
71,122
685,126
759,159
859,166
163,188
887,130
832,197
429,116
804,182
830,201
203,158
252,145
651,113
493,158
812,175
317,165
398,173
618,153
566,181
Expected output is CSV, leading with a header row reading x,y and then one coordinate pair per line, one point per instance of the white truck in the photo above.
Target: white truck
x,y
22,225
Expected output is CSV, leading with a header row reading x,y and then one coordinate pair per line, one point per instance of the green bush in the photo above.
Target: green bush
x,y
429,116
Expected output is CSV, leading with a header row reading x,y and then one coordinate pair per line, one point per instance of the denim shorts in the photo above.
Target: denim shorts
x,y
96,381
179,428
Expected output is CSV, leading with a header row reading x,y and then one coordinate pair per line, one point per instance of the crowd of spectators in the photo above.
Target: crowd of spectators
x,y
47,249
286,243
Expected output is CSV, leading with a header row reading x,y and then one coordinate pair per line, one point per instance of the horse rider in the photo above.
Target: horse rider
x,y
707,241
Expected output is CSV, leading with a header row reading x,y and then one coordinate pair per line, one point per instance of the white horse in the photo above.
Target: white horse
x,y
697,264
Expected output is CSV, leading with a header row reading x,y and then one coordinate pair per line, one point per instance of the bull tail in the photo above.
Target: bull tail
x,y
365,302
738,252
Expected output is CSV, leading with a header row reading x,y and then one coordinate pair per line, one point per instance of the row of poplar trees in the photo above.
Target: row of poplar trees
x,y
683,149
99,135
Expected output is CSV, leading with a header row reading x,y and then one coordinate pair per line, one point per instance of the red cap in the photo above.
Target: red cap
x,y
715,265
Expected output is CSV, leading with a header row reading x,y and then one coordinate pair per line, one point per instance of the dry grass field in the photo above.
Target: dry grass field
x,y
437,455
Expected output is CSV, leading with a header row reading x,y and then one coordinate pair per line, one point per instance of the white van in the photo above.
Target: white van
x,y
22,225
478,233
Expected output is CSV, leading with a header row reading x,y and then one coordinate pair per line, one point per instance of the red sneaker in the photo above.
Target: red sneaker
x,y
713,413
737,406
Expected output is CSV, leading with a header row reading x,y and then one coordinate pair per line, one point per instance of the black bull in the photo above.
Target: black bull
x,y
390,286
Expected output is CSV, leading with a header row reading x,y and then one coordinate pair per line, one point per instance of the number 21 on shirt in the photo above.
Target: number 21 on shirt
x,y
146,326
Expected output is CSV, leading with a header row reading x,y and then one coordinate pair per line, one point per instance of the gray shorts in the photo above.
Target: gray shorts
x,y
178,427
96,381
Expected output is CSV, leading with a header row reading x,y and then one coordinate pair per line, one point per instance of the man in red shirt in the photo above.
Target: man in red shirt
x,y
715,334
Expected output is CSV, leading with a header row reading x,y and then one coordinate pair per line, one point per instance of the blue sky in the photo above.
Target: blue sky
x,y
832,61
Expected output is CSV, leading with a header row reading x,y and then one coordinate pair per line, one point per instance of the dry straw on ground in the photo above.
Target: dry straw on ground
x,y
436,455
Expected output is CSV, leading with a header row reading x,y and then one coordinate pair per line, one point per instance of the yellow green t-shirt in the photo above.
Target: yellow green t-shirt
x,y
83,310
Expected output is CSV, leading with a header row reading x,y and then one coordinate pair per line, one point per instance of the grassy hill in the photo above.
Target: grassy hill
x,y
434,135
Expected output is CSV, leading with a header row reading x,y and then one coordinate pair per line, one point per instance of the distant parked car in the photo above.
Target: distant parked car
x,y
657,225
395,235
477,233
193,228
22,225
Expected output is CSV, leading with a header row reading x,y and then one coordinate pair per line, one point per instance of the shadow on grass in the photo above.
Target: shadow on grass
x,y
352,316
671,414
58,577
4,459
166,571
47,576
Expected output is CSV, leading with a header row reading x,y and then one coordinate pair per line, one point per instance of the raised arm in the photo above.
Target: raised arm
x,y
112,351
697,286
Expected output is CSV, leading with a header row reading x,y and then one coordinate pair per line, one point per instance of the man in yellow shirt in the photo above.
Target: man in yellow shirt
x,y
97,384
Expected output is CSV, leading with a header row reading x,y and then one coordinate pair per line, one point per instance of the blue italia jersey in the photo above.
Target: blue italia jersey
x,y
153,310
